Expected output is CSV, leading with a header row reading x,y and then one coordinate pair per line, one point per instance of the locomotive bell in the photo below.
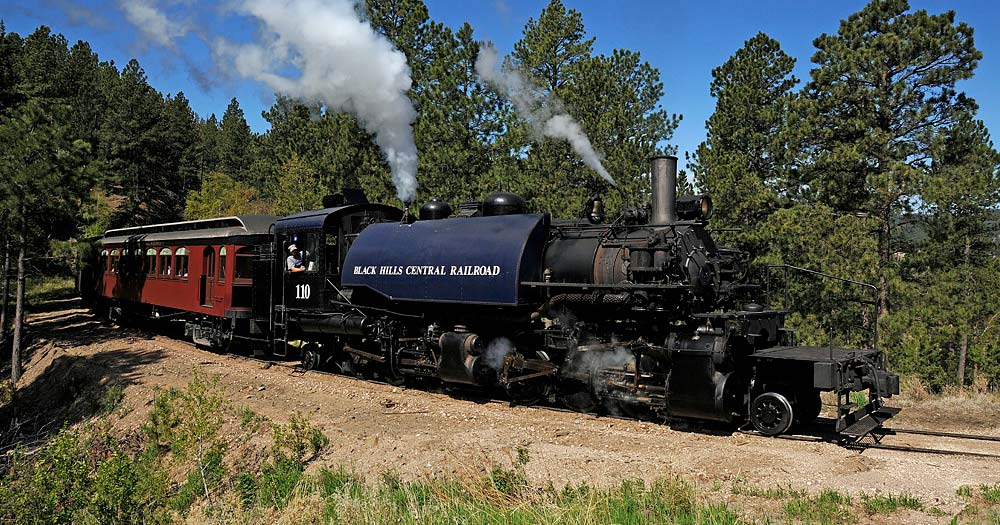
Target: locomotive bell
x,y
595,210
435,209
503,203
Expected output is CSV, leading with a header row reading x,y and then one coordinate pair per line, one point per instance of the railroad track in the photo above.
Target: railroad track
x,y
874,441
889,431
815,434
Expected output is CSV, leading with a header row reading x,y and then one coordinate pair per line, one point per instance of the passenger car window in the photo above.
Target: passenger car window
x,y
181,263
150,262
165,268
222,263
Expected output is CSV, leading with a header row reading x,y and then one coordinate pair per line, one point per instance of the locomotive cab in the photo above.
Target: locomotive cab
x,y
310,248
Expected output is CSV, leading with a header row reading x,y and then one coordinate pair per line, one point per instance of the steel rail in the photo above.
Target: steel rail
x,y
882,446
921,450
954,435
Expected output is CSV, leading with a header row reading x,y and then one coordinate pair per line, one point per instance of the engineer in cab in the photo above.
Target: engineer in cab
x,y
297,259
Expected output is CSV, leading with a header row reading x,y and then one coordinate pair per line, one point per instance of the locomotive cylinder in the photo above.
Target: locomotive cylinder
x,y
460,354
345,324
663,172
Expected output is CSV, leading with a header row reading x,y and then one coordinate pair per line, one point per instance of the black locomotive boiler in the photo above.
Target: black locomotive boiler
x,y
644,316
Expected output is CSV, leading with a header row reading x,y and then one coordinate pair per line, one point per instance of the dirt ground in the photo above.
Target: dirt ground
x,y
376,427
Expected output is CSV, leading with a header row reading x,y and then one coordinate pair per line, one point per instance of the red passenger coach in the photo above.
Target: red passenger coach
x,y
196,271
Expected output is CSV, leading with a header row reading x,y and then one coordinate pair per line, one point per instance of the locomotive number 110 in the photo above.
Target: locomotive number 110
x,y
302,291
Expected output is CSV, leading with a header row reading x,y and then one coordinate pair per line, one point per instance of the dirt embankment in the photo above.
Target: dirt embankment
x,y
376,427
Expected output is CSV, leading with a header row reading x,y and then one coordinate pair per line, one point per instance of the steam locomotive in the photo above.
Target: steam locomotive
x,y
643,316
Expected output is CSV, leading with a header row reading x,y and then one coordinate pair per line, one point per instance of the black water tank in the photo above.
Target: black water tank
x,y
502,203
435,209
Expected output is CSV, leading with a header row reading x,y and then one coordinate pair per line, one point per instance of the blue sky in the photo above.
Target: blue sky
x,y
684,40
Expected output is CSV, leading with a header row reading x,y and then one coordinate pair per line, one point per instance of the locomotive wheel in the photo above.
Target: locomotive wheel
x,y
526,392
579,400
634,410
310,359
771,414
807,406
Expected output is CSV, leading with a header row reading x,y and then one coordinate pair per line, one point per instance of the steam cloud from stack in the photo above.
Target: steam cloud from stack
x,y
342,63
542,113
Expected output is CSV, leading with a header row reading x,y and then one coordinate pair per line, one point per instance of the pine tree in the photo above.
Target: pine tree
x,y
129,146
741,162
10,49
207,146
882,89
176,133
949,274
43,178
614,99
456,122
553,46
235,141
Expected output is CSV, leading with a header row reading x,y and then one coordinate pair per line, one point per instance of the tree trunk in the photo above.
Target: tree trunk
x,y
962,351
884,259
15,358
5,293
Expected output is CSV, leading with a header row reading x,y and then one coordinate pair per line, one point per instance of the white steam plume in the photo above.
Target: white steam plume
x,y
340,61
343,64
542,113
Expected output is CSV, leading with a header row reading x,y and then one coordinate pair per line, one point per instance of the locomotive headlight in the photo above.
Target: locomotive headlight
x,y
695,208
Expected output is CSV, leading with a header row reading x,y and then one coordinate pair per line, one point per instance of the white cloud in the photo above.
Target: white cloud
x,y
153,22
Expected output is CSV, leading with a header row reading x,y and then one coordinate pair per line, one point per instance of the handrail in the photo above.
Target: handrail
x,y
823,275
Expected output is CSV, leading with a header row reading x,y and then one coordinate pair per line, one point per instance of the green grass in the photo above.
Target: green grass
x,y
983,505
859,398
482,501
829,507
777,493
990,494
39,289
112,399
887,504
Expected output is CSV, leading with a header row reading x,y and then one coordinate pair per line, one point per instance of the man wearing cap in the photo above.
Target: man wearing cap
x,y
295,261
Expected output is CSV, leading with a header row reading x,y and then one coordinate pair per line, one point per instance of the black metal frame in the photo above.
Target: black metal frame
x,y
822,275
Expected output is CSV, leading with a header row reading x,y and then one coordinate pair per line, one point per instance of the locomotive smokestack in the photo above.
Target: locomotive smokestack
x,y
663,172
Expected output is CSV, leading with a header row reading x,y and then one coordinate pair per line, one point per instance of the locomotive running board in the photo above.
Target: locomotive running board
x,y
856,427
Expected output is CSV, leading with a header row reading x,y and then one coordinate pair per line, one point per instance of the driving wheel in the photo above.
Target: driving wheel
x,y
771,414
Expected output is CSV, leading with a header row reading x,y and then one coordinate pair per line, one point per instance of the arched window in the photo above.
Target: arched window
x,y
150,262
114,261
181,263
222,263
165,269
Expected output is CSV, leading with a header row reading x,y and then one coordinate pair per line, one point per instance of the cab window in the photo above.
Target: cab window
x,y
301,253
